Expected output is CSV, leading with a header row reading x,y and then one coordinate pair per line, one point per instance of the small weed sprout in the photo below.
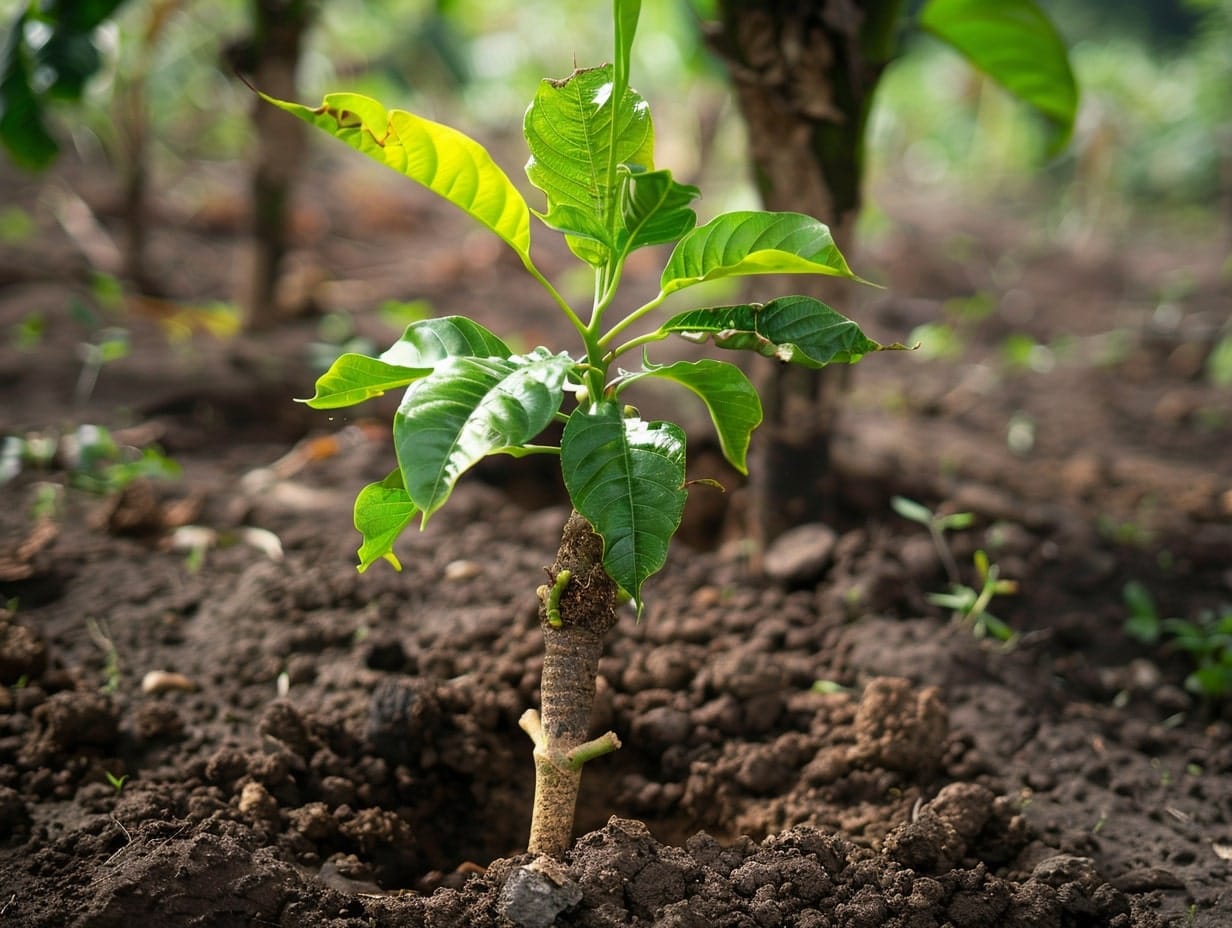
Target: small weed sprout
x,y
117,782
100,635
1206,639
968,604
111,345
937,526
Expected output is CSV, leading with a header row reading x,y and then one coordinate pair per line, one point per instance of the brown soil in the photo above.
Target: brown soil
x,y
335,749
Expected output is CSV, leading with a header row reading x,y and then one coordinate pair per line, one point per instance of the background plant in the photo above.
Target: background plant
x,y
1206,639
969,604
468,395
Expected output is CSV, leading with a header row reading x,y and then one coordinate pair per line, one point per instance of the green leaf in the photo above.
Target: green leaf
x,y
23,129
748,242
910,509
654,210
798,329
382,511
626,477
578,134
1015,44
469,408
353,378
441,158
732,400
428,341
625,14
1212,681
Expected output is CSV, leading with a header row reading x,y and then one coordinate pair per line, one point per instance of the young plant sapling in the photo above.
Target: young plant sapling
x,y
468,395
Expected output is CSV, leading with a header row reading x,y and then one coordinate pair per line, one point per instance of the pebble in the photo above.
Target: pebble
x,y
535,894
458,571
801,554
164,681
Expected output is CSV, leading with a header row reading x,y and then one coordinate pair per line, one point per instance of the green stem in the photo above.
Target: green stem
x,y
554,293
606,743
632,318
647,339
988,591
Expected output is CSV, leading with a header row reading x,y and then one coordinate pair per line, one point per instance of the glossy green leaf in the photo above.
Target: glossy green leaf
x,y
654,210
468,408
428,341
626,476
578,135
754,242
731,399
1015,44
382,511
441,158
797,329
354,378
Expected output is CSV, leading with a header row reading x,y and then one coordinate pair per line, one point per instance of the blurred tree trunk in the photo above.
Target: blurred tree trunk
x,y
132,121
804,72
272,57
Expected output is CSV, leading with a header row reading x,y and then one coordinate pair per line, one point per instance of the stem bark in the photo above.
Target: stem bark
x,y
575,619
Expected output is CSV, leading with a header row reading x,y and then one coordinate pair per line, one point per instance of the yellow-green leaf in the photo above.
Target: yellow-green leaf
x,y
446,161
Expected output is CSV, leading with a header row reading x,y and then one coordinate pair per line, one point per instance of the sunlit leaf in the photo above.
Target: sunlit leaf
x,y
1015,44
578,135
754,242
382,511
468,408
626,477
354,378
441,158
731,399
428,341
796,329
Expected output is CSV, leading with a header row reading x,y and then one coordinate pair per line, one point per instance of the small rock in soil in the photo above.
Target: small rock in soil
x,y
400,713
534,895
163,681
800,555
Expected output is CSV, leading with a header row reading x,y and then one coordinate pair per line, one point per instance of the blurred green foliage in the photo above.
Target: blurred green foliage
x,y
49,52
1154,131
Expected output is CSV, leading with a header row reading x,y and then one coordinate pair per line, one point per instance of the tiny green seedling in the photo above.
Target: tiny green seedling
x,y
969,605
467,394
101,636
117,782
1144,623
110,345
937,526
1207,639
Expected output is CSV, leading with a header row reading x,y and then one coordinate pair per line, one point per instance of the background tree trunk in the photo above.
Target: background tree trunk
x,y
804,72
272,58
